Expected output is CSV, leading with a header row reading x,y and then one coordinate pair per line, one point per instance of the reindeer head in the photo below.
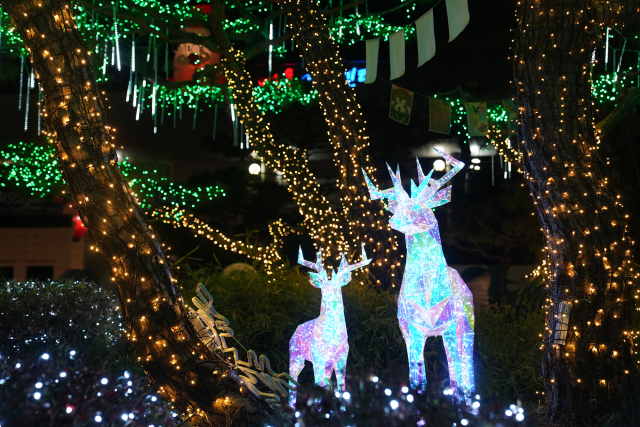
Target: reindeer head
x,y
339,278
413,214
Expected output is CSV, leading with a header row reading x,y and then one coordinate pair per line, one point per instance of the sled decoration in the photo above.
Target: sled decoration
x,y
213,328
323,340
433,300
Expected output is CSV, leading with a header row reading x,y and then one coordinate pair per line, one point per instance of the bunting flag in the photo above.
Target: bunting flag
x,y
458,17
439,116
373,46
477,121
400,104
510,108
426,38
396,53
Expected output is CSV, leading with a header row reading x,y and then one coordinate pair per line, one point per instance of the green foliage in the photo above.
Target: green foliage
x,y
264,311
82,378
65,316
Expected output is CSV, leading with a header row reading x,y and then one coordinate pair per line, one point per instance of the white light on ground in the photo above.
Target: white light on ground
x,y
45,356
374,379
519,417
254,169
63,374
387,392
338,394
104,381
394,404
124,417
38,385
438,165
36,396
476,160
464,422
508,412
69,409
409,398
475,405
405,389
98,418
297,414
346,395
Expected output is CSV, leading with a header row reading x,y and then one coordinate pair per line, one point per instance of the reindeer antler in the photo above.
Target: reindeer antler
x,y
318,264
345,267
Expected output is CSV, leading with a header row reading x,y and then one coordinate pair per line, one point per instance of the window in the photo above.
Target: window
x,y
39,273
6,272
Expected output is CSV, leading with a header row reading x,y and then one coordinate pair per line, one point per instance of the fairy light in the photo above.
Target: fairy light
x,y
588,264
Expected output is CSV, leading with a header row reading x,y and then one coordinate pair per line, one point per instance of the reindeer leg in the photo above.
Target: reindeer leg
x,y
458,342
341,370
319,372
415,340
297,355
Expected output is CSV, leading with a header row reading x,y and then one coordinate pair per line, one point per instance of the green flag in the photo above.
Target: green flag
x,y
439,116
400,104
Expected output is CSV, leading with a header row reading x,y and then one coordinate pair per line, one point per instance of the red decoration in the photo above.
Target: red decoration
x,y
206,9
288,73
190,57
80,229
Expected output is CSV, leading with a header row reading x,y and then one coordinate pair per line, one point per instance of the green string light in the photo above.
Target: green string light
x,y
36,168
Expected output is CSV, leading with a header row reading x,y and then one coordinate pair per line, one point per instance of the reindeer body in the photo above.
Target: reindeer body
x,y
433,300
323,341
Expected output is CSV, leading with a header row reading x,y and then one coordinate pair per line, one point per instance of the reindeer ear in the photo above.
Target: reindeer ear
x,y
316,280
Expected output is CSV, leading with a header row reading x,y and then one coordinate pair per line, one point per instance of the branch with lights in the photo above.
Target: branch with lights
x,y
152,306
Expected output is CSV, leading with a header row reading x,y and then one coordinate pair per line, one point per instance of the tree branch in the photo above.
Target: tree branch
x,y
258,47
630,101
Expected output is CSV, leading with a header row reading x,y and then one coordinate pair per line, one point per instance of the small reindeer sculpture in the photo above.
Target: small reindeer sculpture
x,y
323,341
433,300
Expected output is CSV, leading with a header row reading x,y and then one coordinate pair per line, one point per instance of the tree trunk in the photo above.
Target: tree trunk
x,y
593,374
167,345
348,140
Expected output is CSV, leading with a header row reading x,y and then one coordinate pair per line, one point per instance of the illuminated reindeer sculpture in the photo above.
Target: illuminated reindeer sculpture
x,y
433,300
323,341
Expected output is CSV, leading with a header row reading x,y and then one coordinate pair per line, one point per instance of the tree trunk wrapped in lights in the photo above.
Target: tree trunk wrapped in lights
x,y
203,385
589,364
348,139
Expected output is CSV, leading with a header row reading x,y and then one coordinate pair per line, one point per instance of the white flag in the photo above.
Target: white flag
x,y
396,54
373,46
458,16
426,38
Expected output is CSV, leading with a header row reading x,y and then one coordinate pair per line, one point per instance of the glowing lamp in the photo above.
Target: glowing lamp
x,y
254,169
433,300
476,160
438,165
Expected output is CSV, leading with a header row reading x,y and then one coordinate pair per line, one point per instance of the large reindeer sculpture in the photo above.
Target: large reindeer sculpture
x,y
433,300
323,341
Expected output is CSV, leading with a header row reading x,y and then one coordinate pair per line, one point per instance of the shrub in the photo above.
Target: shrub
x,y
62,360
265,311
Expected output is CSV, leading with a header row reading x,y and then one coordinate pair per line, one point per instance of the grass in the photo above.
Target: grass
x,y
265,311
